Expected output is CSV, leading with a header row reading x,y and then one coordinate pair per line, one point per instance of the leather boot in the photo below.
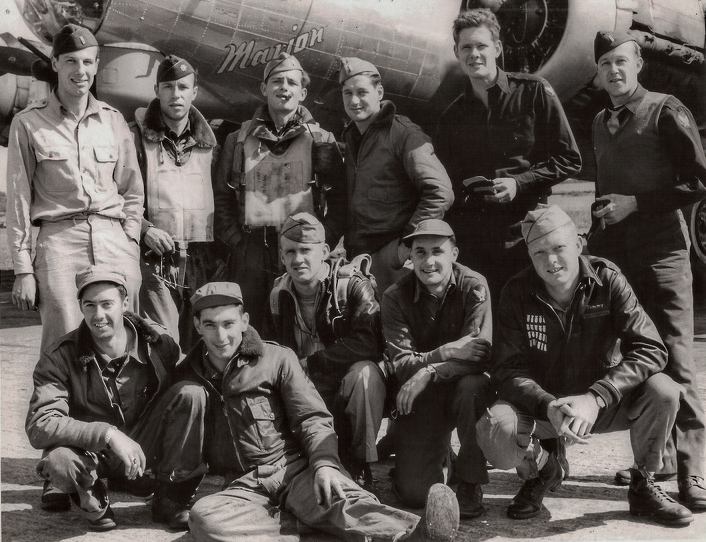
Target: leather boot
x,y
53,499
470,500
648,499
170,504
692,492
528,502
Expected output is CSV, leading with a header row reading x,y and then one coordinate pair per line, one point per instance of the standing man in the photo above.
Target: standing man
x,y
174,148
576,354
393,178
105,406
327,312
510,129
279,163
650,163
438,326
271,436
72,171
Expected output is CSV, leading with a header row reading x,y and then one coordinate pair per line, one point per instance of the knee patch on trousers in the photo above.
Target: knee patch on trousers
x,y
504,436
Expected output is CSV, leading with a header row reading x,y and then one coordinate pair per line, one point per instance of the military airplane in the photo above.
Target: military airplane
x,y
230,41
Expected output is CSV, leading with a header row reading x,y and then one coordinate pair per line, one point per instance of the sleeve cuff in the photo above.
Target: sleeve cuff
x,y
22,263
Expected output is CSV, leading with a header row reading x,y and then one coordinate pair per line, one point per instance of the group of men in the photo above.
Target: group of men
x,y
492,322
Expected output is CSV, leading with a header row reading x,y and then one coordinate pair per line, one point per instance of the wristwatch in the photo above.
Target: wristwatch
x,y
432,371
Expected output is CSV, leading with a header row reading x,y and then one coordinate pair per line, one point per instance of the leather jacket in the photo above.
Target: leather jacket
x,y
70,405
351,335
263,411
608,344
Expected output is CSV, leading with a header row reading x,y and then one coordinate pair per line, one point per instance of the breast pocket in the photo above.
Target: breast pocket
x,y
518,135
105,159
264,420
54,162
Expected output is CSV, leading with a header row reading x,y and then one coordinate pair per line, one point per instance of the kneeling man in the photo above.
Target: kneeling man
x,y
326,310
271,436
104,406
576,354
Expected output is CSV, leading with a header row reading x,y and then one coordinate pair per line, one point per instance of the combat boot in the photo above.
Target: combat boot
x,y
528,502
470,500
692,492
440,519
53,499
648,499
170,504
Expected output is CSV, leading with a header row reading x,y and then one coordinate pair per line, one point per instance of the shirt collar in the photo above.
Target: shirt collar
x,y
92,107
185,134
633,102
131,349
419,288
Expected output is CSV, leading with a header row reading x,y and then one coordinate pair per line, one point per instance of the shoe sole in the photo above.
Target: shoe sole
x,y
471,515
441,522
513,515
681,522
56,505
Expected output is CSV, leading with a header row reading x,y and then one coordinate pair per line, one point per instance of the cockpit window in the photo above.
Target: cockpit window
x,y
46,17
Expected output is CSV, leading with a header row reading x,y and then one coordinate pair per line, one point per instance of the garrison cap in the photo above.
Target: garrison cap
x,y
607,41
283,62
430,226
173,68
216,294
352,66
303,228
71,38
98,273
543,221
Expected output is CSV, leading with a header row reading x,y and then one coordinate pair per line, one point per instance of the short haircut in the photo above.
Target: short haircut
x,y
474,18
119,287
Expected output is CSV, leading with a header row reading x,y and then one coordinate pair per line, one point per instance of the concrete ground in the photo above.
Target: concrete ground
x,y
587,507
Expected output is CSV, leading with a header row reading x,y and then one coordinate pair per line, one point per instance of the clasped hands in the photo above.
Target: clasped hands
x,y
573,417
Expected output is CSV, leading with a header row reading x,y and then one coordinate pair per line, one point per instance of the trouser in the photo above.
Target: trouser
x,y
66,247
357,403
653,254
386,266
423,437
170,435
255,264
510,438
277,503
169,304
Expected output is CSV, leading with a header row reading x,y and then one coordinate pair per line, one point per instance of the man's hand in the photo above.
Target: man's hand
x,y
504,190
467,348
159,241
411,389
615,207
573,417
403,253
327,482
24,292
130,453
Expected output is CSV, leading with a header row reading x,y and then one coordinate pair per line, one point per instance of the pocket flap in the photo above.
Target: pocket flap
x,y
106,154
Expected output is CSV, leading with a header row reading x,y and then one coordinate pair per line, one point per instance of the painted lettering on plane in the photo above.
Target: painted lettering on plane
x,y
244,55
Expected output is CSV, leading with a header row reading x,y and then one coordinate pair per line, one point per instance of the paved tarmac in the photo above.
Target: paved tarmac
x,y
587,507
